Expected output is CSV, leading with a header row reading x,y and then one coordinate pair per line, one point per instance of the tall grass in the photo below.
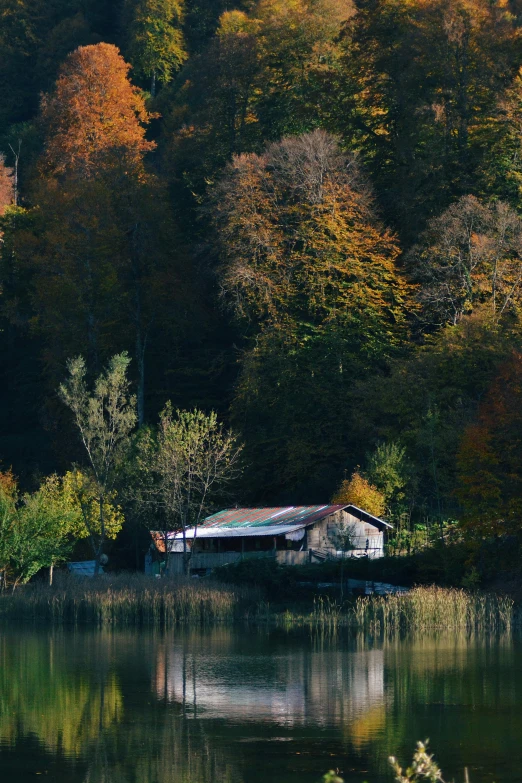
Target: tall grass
x,y
421,609
425,608
141,600
126,600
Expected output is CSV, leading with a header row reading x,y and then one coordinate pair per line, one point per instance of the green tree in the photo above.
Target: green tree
x,y
46,521
104,419
8,498
35,38
182,467
427,397
389,470
36,530
500,136
265,74
154,38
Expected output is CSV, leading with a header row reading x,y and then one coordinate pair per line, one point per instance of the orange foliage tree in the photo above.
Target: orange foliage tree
x,y
94,115
362,494
300,242
490,458
98,250
6,185
310,271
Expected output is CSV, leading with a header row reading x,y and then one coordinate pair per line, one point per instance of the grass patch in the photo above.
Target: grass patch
x,y
127,600
426,608
138,600
422,609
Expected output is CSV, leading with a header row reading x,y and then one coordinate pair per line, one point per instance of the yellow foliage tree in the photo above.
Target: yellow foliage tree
x,y
77,490
362,494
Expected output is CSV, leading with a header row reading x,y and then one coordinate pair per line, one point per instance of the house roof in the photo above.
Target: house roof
x,y
275,521
267,517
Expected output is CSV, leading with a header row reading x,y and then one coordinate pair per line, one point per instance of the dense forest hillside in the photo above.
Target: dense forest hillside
x,y
305,215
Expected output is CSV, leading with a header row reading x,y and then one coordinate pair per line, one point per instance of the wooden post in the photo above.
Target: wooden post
x,y
242,548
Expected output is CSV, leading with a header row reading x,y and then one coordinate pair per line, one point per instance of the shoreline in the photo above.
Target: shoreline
x,y
138,601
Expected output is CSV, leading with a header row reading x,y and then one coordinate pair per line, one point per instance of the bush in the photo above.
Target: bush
x,y
442,565
275,580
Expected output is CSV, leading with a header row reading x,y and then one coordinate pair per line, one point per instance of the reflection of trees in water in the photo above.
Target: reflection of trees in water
x,y
67,693
452,686
217,694
62,707
453,668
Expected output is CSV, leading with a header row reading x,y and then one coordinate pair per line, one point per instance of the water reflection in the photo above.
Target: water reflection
x,y
231,706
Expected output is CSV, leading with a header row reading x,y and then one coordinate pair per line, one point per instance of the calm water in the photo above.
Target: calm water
x,y
233,705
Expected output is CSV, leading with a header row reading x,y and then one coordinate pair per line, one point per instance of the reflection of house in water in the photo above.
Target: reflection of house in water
x,y
288,688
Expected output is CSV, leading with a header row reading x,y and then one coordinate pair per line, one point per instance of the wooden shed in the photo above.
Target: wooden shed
x,y
291,534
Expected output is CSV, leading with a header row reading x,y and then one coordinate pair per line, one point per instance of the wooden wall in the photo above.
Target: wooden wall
x,y
367,538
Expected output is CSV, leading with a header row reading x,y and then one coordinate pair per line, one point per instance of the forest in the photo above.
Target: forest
x,y
302,217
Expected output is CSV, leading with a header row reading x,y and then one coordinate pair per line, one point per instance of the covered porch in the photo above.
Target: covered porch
x,y
209,552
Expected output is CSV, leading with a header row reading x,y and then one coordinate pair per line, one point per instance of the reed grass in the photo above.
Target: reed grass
x,y
421,609
425,608
140,600
127,600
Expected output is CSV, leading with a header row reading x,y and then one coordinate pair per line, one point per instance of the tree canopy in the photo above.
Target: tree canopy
x,y
302,217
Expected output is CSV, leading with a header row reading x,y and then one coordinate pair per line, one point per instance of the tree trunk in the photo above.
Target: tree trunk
x,y
51,570
185,553
166,570
99,550
140,361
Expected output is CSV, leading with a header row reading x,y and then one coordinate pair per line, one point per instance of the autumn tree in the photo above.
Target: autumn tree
x,y
311,275
416,85
99,253
263,75
94,117
358,491
490,458
104,420
471,255
154,38
7,190
299,242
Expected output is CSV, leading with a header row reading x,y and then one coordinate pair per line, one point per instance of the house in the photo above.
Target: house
x,y
292,535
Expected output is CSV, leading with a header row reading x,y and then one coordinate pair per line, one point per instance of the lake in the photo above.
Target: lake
x,y
229,705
